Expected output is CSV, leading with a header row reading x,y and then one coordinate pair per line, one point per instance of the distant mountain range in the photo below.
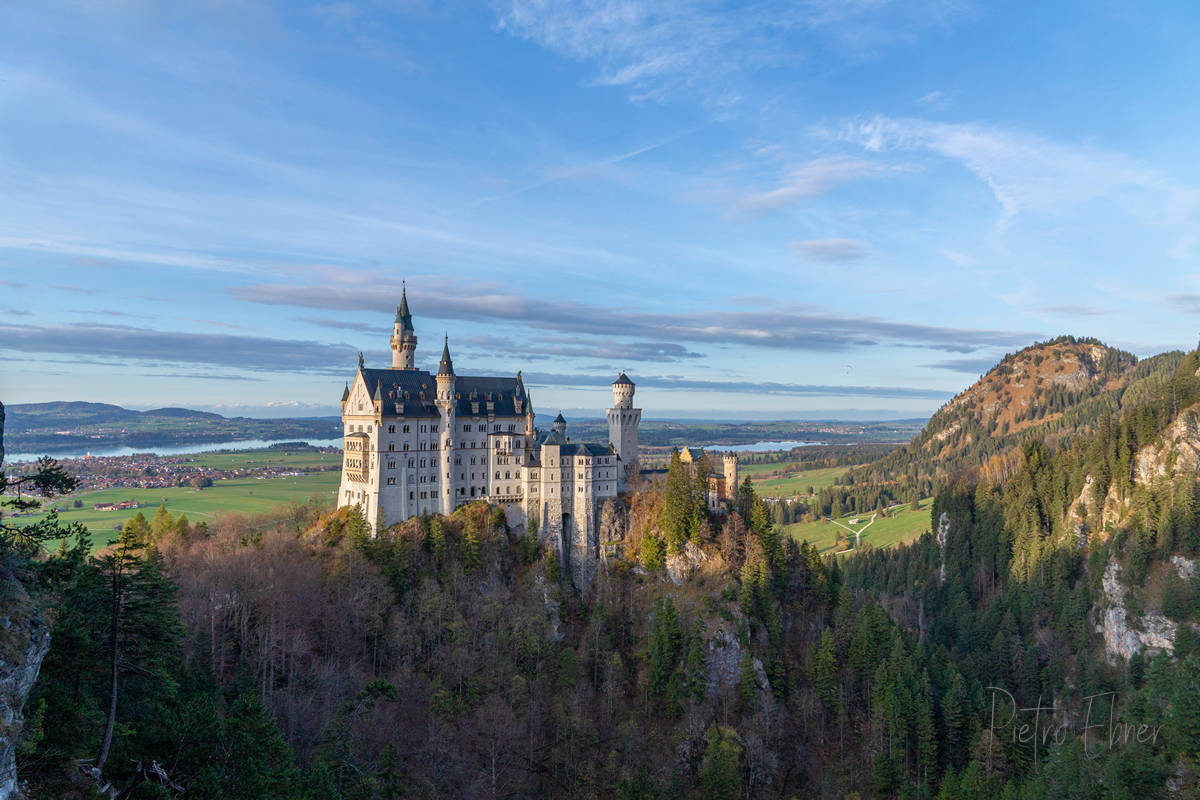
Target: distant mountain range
x,y
70,426
61,427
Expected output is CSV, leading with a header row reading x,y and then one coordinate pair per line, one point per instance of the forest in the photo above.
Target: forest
x,y
294,655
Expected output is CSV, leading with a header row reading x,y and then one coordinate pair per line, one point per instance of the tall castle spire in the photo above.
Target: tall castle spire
x,y
404,337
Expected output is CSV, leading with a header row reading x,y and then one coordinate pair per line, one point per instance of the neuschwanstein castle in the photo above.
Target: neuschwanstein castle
x,y
417,443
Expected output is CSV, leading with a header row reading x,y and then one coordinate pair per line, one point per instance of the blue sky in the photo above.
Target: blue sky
x,y
783,209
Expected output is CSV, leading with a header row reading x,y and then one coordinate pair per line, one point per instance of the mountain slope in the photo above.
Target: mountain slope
x,y
1052,390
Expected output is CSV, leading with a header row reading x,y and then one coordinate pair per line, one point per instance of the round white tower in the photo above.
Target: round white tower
x,y
731,475
446,402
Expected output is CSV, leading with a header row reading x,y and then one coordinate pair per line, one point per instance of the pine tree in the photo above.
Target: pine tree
x,y
719,776
677,518
161,523
747,682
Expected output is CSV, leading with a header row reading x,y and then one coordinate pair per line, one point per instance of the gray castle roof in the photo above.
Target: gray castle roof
x,y
623,380
393,384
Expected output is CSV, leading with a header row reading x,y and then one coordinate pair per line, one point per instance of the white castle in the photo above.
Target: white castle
x,y
418,443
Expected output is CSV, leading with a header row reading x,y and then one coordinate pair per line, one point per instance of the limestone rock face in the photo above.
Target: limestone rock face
x,y
24,640
1178,452
681,566
1121,639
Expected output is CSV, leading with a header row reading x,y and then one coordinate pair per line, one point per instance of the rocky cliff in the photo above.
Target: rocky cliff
x,y
24,640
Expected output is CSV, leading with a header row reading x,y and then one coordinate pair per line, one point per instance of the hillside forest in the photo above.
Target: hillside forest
x,y
1041,641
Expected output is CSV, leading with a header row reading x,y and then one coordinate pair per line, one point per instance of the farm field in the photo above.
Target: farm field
x,y
902,526
791,483
306,459
245,495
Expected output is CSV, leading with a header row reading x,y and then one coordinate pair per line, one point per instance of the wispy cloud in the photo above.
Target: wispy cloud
x,y
831,250
1075,311
936,99
763,387
614,351
814,178
1028,173
343,324
802,329
655,46
972,366
1188,303
257,354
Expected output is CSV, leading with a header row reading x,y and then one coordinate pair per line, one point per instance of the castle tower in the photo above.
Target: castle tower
x,y
404,338
731,475
446,402
560,426
623,420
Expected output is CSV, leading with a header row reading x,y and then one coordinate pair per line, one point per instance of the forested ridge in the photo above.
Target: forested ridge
x,y
296,656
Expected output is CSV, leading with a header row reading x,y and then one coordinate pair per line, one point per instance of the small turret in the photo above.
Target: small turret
x,y
623,390
346,393
404,337
446,366
560,426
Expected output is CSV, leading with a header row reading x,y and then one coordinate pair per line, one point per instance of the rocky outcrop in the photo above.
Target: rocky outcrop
x,y
681,566
725,665
1122,640
1178,452
24,640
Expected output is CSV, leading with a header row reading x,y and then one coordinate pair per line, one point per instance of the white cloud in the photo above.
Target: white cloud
x,y
1028,173
831,250
813,178
652,44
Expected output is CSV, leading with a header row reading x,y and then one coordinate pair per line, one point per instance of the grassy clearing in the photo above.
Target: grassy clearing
x,y
268,458
244,495
901,527
785,480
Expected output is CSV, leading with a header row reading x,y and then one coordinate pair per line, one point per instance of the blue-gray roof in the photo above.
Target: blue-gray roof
x,y
393,384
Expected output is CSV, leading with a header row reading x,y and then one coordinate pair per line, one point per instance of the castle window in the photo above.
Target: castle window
x,y
497,476
462,476
406,447
391,428
433,428
422,429
410,496
391,482
423,495
412,462
433,493
391,447
405,429
507,475
391,465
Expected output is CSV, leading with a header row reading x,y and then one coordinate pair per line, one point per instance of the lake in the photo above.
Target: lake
x,y
759,447
175,450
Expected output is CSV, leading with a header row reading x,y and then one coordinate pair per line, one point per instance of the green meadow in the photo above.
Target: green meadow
x,y
242,495
785,480
900,527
